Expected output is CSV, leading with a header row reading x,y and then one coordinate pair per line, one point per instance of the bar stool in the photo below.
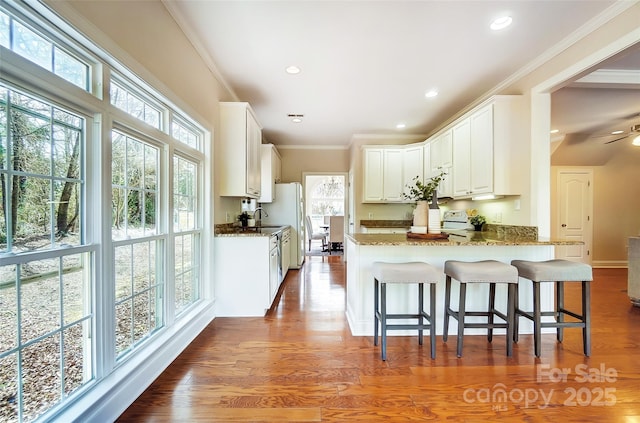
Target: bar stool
x,y
558,272
405,273
488,271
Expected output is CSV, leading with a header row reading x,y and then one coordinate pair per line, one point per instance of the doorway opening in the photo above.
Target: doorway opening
x,y
325,204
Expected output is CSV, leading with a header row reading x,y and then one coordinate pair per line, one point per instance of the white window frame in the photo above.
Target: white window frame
x,y
113,382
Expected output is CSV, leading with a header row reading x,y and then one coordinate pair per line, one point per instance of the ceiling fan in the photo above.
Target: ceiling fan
x,y
634,131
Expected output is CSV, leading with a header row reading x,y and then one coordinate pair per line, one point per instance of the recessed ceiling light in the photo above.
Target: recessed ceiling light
x,y
616,132
292,70
431,93
401,125
555,131
636,141
501,23
295,117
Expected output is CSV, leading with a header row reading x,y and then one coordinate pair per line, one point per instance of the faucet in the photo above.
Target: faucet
x,y
260,208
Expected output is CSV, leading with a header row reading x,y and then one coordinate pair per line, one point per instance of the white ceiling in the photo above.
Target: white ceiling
x,y
366,65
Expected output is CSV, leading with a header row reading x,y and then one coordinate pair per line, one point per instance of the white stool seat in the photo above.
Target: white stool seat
x,y
481,271
413,272
553,270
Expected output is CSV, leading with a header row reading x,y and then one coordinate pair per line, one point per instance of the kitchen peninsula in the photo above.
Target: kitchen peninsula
x,y
502,243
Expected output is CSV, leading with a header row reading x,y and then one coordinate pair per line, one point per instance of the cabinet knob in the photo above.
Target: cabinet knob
x,y
564,225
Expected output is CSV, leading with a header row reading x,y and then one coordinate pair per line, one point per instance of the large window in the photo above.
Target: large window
x,y
187,235
45,290
134,104
89,277
139,254
26,42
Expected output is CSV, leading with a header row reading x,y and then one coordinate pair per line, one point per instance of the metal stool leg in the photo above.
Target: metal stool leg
x,y
420,308
559,309
537,316
511,316
432,319
492,307
586,315
461,311
383,319
376,310
447,309
516,315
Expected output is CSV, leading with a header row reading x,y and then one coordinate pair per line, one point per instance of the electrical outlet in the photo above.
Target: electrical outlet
x,y
498,218
370,215
228,217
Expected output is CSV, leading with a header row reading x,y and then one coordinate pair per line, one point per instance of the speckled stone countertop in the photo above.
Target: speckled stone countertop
x,y
386,223
233,230
459,238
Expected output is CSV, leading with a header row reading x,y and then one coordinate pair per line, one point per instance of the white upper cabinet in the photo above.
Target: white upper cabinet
x,y
413,165
373,174
240,155
481,151
393,175
271,171
441,152
383,175
461,137
441,159
485,149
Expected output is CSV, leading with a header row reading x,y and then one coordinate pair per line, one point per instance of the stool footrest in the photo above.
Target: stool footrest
x,y
424,315
408,326
485,325
529,315
562,324
479,314
571,313
406,316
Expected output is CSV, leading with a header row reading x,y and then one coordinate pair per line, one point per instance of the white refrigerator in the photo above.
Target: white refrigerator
x,y
288,209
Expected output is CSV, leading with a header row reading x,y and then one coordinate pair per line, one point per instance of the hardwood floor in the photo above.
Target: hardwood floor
x,y
301,364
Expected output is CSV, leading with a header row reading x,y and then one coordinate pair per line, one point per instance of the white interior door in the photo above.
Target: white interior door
x,y
575,208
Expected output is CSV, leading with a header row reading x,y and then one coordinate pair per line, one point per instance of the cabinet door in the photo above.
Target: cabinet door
x,y
441,152
274,277
481,149
461,137
373,176
276,164
413,165
270,173
254,156
393,180
286,254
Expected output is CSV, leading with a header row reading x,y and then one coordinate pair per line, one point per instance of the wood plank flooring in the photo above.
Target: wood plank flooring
x,y
301,364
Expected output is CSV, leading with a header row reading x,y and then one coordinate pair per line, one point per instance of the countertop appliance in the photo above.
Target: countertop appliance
x,y
288,209
456,219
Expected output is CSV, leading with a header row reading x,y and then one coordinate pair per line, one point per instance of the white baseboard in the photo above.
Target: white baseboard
x,y
610,264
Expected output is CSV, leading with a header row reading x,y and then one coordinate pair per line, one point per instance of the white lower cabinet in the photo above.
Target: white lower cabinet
x,y
246,275
286,251
274,269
